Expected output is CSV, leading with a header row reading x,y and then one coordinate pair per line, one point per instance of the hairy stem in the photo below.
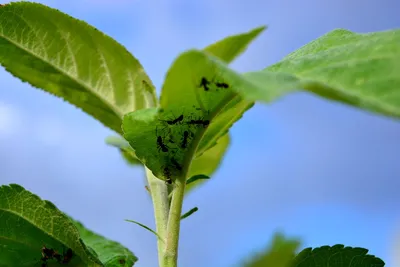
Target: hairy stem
x,y
174,222
159,195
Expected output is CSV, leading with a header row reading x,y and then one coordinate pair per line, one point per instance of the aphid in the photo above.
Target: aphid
x,y
185,139
176,164
222,85
204,123
204,83
160,145
67,256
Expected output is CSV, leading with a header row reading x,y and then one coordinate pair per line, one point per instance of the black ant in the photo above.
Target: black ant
x,y
167,175
175,120
176,164
204,123
185,139
204,83
160,145
47,253
222,85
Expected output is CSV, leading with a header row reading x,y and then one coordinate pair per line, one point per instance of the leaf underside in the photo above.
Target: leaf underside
x,y
70,59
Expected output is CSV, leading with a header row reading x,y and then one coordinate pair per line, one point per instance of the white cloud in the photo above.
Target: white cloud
x,y
10,120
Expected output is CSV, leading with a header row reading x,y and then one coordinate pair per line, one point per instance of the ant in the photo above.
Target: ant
x,y
160,145
47,253
222,85
174,121
167,174
204,83
176,164
204,123
185,139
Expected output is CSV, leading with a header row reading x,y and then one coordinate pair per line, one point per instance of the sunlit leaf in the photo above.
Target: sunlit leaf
x,y
72,60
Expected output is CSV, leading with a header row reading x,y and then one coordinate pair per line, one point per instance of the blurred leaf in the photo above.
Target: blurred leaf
x,y
145,227
29,223
231,47
125,149
336,256
190,212
111,253
207,163
72,60
358,69
279,254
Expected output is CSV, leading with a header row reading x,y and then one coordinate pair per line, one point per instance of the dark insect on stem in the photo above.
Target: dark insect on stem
x,y
167,175
176,164
222,85
204,123
160,145
185,139
205,84
174,121
67,256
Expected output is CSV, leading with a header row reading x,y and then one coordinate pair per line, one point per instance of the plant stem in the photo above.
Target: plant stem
x,y
174,222
159,195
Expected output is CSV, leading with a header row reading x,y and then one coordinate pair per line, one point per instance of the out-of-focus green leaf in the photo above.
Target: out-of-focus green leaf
x,y
362,70
111,253
28,224
125,149
336,256
279,254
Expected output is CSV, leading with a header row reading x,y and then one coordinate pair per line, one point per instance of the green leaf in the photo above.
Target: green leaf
x,y
145,227
70,59
163,138
336,256
196,178
190,212
279,254
29,223
125,149
357,69
206,164
111,253
231,47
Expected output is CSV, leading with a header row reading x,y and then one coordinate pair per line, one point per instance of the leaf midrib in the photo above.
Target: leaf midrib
x,y
83,84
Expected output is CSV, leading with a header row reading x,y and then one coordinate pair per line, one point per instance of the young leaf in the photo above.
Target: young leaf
x,y
125,149
279,254
190,212
358,69
170,132
196,178
110,253
28,224
336,256
145,227
72,60
231,47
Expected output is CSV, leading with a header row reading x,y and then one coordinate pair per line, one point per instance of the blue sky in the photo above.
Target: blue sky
x,y
314,169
